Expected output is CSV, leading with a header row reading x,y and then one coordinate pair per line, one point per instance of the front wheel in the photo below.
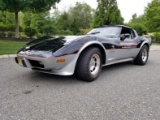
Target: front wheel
x,y
142,57
89,64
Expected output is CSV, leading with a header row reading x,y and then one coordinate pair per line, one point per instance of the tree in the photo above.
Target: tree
x,y
138,23
76,18
82,13
63,21
153,16
107,13
140,28
21,5
42,22
26,19
6,18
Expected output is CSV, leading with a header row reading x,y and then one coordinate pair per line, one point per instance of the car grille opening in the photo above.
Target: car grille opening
x,y
36,64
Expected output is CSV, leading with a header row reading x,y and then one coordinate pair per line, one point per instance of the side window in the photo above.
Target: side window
x,y
132,34
127,33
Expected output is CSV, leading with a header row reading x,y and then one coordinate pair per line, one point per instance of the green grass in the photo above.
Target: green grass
x,y
10,47
156,44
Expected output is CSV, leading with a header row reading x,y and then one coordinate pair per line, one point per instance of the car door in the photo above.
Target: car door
x,y
127,44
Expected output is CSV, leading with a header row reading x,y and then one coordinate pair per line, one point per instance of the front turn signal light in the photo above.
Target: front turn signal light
x,y
61,61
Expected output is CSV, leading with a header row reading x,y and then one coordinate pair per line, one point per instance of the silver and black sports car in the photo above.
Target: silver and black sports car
x,y
85,55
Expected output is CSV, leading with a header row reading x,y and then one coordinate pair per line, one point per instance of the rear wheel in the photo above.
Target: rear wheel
x,y
142,57
89,64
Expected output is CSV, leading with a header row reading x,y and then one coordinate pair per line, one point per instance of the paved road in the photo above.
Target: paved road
x,y
122,92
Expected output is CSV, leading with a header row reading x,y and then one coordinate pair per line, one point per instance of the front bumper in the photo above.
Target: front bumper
x,y
64,65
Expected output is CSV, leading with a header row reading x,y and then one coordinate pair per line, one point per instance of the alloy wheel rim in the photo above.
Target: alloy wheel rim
x,y
144,55
94,64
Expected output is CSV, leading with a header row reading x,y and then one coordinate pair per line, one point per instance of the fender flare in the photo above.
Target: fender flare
x,y
94,43
145,42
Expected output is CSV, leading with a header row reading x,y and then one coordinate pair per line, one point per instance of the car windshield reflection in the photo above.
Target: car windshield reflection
x,y
105,31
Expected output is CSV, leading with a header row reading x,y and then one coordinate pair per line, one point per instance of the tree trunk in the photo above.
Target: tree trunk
x,y
16,25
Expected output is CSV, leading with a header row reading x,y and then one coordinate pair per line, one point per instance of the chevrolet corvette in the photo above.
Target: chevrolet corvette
x,y
85,55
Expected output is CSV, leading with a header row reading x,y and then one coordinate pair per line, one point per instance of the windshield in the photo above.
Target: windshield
x,y
105,31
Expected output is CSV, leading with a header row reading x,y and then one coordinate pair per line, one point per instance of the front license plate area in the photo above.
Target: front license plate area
x,y
19,61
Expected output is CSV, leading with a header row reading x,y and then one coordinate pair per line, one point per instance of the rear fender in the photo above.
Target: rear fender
x,y
144,43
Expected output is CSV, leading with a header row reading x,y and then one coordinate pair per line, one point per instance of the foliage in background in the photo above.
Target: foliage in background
x,y
107,13
156,36
152,14
16,6
30,31
78,17
138,23
36,21
7,18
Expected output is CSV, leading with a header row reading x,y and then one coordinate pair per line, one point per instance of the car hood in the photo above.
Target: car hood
x,y
50,43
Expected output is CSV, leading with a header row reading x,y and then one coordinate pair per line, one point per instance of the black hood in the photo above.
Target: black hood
x,y
49,43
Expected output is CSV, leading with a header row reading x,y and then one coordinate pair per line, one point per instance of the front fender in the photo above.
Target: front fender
x,y
91,43
95,44
74,47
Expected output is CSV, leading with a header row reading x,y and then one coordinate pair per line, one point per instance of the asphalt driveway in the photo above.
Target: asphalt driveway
x,y
122,92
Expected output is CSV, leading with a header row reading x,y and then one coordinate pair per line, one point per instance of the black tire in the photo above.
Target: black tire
x,y
142,57
89,64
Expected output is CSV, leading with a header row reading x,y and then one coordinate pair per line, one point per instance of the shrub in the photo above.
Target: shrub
x,y
30,32
39,35
156,36
85,31
10,34
10,27
48,30
65,32
22,35
3,27
2,34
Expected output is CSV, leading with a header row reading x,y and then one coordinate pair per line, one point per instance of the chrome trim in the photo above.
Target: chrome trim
x,y
119,61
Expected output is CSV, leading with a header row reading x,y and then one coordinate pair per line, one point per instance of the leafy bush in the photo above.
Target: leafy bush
x,y
10,27
2,34
49,30
10,34
39,35
65,32
3,27
156,36
30,32
84,31
23,35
